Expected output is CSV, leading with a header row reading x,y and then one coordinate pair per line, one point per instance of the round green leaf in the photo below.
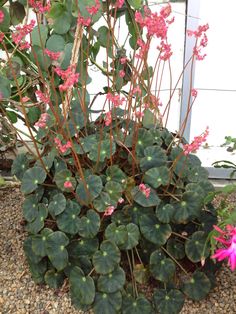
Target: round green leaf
x,y
175,248
114,190
116,234
107,258
136,306
154,157
55,43
161,268
89,225
38,223
144,140
68,221
157,176
140,197
4,26
56,251
94,188
107,303
31,178
168,302
39,35
54,279
112,282
165,213
57,205
153,230
30,208
197,287
82,286
195,247
39,242
102,202
133,237
83,247
114,173
61,177
102,150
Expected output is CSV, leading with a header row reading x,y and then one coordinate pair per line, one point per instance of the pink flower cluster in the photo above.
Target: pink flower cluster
x,y
228,239
62,148
93,10
42,97
68,185
115,99
52,55
143,49
68,76
194,93
1,16
108,118
42,122
19,36
196,143
200,34
165,50
146,191
156,24
139,114
39,6
84,21
109,211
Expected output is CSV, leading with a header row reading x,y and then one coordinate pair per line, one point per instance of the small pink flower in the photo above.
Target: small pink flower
x,y
93,10
68,76
137,90
123,60
121,200
84,21
120,3
68,185
42,122
108,118
194,93
62,148
52,55
38,6
121,73
109,211
146,191
1,16
25,99
42,97
116,100
196,143
166,11
139,114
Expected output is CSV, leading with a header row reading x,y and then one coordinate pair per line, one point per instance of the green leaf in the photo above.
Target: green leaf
x,y
161,268
56,251
112,282
38,223
39,242
153,230
102,150
103,37
38,57
136,306
31,178
154,156
54,279
114,173
82,286
116,234
83,247
12,116
175,248
144,140
61,176
77,118
94,188
30,208
156,177
107,303
55,43
68,221
195,247
107,258
133,237
89,225
197,287
4,26
57,205
39,35
136,4
140,197
168,302
165,212
17,12
102,202
114,190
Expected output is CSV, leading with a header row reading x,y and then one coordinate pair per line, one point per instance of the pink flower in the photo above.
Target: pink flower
x,y
42,97
1,16
84,21
196,143
68,185
62,148
121,73
121,200
52,55
38,6
123,60
194,93
228,238
108,118
143,49
109,211
139,114
42,122
146,191
68,76
115,99
25,99
21,32
137,90
166,11
165,50
120,3
94,9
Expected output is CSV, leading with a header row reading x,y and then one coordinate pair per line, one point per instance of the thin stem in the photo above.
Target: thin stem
x,y
172,257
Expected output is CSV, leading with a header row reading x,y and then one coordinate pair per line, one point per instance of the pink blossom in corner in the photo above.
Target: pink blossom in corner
x,y
121,73
108,118
42,122
1,16
68,185
52,55
146,191
109,211
196,143
194,93
228,239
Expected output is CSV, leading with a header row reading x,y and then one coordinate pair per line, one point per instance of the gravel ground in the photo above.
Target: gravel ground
x,y
19,294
